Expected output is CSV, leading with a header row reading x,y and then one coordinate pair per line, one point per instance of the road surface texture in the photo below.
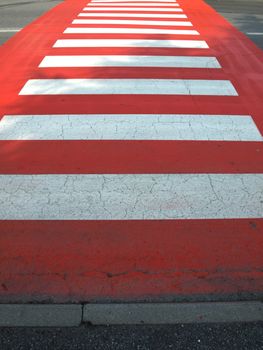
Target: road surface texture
x,y
15,14
131,165
131,156
178,337
247,16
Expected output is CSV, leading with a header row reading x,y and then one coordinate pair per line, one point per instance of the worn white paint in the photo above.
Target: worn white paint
x,y
149,9
254,33
192,44
131,197
129,127
133,22
133,1
10,30
135,4
109,30
128,86
130,61
137,15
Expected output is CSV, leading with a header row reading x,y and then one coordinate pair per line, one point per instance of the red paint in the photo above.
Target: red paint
x,y
129,157
88,260
129,73
126,104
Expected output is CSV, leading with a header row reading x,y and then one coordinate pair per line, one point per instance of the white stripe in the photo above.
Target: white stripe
x,y
129,127
133,1
131,197
250,33
135,22
137,4
130,61
138,15
193,44
108,30
128,86
149,9
10,30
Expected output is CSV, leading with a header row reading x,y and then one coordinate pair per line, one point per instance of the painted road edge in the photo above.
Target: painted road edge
x,y
73,315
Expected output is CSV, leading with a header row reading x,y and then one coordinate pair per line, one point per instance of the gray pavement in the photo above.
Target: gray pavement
x,y
172,313
198,335
66,315
16,14
245,15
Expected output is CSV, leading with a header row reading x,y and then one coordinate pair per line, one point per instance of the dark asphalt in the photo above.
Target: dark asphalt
x,y
186,337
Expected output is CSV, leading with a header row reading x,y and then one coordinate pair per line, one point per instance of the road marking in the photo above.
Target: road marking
x,y
193,44
156,2
254,33
139,15
10,30
149,9
137,4
130,157
131,197
135,22
109,30
128,86
129,127
130,61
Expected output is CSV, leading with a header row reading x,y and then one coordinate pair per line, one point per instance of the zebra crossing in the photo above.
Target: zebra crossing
x,y
130,43
127,76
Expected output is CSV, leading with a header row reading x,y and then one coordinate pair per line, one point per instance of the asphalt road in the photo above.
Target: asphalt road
x,y
16,14
185,337
245,15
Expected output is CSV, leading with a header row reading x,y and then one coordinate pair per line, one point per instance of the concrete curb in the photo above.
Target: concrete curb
x,y
73,315
37,315
99,314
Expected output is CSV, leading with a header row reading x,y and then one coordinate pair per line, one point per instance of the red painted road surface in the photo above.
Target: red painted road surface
x,y
192,228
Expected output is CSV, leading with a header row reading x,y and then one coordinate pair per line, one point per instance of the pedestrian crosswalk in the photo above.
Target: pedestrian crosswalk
x,y
200,44
149,9
138,15
135,1
135,22
129,127
108,30
128,86
129,61
130,197
134,127
152,4
130,118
